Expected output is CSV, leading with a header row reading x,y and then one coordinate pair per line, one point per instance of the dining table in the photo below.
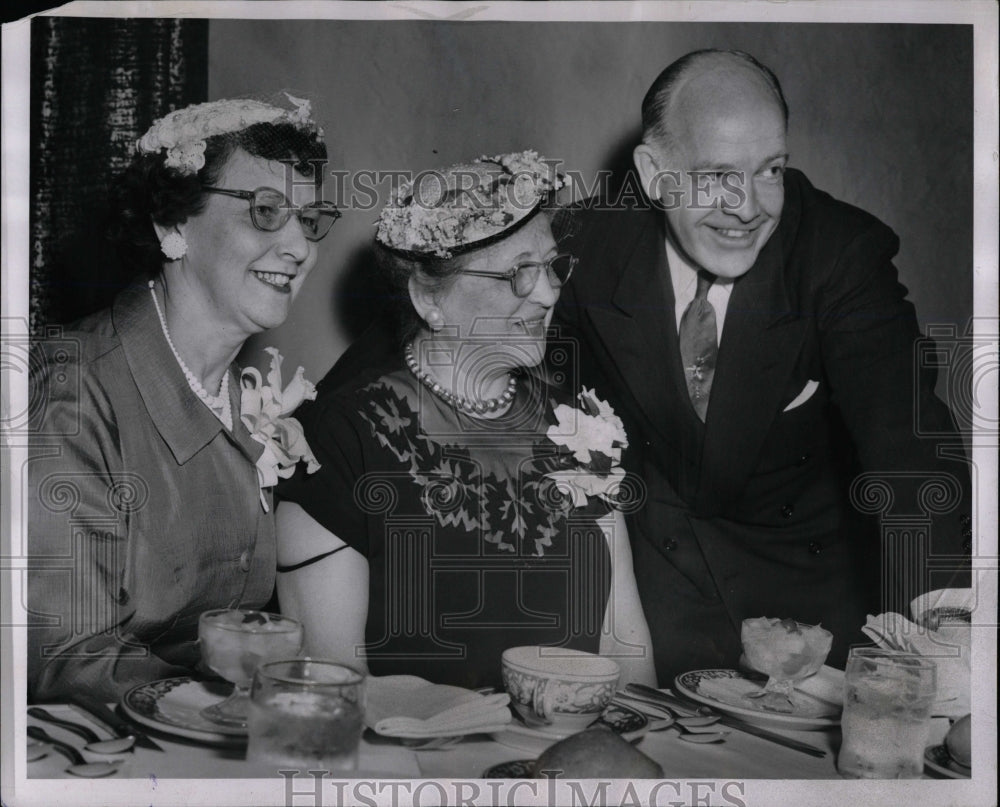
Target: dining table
x,y
739,756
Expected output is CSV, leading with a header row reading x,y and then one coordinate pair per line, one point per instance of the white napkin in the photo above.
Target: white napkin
x,y
939,632
407,706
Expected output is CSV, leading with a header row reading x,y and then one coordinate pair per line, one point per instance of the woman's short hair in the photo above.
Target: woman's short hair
x,y
433,273
149,191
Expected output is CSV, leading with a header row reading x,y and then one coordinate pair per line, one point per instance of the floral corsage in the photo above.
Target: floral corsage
x,y
265,410
590,441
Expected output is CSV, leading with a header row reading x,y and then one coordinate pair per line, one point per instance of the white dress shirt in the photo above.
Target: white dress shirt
x,y
684,279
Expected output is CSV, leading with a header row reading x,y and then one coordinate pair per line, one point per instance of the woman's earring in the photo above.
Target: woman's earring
x,y
173,246
434,320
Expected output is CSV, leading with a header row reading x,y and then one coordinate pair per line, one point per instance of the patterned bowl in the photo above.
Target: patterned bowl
x,y
556,688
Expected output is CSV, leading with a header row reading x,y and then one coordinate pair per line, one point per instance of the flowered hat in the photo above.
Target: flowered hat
x,y
182,133
467,206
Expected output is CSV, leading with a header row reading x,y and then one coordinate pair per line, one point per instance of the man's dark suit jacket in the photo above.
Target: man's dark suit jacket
x,y
749,514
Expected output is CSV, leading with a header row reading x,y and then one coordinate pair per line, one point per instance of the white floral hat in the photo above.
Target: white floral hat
x,y
467,206
182,133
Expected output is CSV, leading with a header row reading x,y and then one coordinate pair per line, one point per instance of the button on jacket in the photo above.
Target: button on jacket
x,y
753,507
143,510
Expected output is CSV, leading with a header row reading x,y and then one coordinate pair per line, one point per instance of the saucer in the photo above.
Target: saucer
x,y
173,706
624,721
727,691
937,759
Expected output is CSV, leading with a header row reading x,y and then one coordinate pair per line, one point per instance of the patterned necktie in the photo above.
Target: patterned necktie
x,y
699,345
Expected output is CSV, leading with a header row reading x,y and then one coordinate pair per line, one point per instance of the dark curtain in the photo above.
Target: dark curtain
x,y
96,86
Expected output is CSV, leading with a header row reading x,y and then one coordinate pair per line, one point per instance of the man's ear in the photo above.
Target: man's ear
x,y
649,163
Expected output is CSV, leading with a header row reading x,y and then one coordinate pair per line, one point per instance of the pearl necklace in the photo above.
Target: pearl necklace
x,y
219,404
459,401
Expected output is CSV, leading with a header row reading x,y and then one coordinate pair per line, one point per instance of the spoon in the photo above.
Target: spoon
x,y
37,750
690,728
80,766
95,745
701,735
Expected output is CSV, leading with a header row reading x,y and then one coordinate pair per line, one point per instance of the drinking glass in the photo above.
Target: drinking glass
x,y
888,697
234,641
306,714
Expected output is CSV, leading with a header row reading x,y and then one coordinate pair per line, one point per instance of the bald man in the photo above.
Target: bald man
x,y
752,332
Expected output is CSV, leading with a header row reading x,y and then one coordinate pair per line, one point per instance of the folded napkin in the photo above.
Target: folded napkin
x,y
941,630
407,706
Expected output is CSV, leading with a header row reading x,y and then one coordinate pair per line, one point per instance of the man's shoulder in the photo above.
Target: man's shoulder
x,y
596,216
603,234
814,218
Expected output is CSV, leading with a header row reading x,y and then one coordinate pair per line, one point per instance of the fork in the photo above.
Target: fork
x,y
432,743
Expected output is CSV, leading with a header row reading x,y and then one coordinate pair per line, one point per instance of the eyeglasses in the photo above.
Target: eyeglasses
x,y
524,277
270,210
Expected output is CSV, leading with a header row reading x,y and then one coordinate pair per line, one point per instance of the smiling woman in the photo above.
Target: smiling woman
x,y
447,522
143,471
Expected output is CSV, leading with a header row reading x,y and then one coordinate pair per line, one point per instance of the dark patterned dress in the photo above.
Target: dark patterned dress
x,y
470,548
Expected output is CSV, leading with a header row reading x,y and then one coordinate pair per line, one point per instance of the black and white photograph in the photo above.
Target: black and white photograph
x,y
565,403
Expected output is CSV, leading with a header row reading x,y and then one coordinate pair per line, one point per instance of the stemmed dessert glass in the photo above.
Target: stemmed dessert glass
x,y
234,642
787,652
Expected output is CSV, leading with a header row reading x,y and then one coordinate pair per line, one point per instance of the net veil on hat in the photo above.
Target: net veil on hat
x,y
441,214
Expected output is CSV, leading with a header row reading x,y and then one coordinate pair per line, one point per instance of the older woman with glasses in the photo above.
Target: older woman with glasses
x,y
154,457
463,506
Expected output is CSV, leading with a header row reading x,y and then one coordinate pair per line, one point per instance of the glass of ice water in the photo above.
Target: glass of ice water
x,y
306,714
888,698
233,642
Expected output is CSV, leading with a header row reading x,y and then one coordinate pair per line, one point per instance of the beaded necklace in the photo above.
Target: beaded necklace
x,y
459,401
218,405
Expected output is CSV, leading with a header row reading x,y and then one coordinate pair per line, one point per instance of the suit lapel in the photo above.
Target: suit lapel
x,y
761,340
637,328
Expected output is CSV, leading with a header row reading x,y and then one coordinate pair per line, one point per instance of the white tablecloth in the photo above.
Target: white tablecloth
x,y
741,756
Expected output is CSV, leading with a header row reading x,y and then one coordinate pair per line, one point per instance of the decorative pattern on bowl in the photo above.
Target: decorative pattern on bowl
x,y
567,697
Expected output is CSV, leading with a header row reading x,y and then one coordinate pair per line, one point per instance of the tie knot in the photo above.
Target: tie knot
x,y
705,280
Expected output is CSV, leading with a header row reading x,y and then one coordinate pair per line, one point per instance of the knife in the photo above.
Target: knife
x,y
657,697
109,721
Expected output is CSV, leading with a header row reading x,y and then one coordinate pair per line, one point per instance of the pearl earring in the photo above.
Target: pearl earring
x,y
173,246
434,320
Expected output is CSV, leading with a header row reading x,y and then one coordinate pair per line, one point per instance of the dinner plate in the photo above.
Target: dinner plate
x,y
517,769
937,758
727,691
624,721
173,706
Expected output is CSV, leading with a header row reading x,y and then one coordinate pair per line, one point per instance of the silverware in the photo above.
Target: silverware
x,y
697,730
80,731
108,720
656,696
95,745
79,766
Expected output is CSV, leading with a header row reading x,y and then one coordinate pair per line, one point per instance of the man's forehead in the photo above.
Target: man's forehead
x,y
717,117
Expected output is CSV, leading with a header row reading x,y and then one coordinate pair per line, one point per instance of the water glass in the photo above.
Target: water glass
x,y
305,714
888,698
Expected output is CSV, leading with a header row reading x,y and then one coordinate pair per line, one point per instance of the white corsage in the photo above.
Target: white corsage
x,y
265,410
593,437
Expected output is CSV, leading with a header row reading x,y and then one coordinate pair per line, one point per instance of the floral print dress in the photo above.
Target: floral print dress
x,y
471,547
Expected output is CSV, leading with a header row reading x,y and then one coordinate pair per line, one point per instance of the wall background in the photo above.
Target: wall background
x,y
881,117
